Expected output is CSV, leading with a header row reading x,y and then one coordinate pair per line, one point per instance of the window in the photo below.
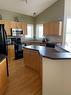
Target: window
x,y
39,30
68,32
29,31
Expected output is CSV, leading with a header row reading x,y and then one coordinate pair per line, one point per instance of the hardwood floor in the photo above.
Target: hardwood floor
x,y
22,80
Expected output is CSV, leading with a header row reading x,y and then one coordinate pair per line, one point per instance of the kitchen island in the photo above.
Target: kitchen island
x,y
53,65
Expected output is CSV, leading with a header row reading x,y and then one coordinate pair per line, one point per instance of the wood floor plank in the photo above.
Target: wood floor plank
x,y
22,80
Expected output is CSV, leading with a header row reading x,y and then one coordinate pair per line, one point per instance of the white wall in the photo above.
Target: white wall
x,y
56,77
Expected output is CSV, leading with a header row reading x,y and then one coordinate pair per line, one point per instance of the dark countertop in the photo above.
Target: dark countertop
x,y
51,53
67,48
2,56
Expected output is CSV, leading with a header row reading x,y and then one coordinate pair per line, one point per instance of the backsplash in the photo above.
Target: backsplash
x,y
51,39
54,38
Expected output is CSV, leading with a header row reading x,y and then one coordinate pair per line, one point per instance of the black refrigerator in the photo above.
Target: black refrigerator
x,y
3,44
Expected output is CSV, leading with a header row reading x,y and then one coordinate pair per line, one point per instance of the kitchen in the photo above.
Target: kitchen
x,y
42,35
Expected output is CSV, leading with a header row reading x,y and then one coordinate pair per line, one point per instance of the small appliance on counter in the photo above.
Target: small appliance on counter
x,y
45,40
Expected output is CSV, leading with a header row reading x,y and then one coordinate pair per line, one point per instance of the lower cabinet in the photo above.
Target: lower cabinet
x,y
33,60
11,52
3,76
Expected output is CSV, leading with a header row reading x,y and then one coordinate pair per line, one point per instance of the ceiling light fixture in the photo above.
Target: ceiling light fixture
x,y
34,14
25,1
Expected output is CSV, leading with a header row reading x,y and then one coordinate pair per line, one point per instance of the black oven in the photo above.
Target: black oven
x,y
18,48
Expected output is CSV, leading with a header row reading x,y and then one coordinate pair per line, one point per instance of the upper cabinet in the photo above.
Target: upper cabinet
x,y
52,28
12,24
7,27
15,25
19,25
2,21
24,27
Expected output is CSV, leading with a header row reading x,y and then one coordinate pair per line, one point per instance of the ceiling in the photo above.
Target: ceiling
x,y
28,8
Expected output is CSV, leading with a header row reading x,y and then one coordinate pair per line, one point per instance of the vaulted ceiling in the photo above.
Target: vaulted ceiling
x,y
27,7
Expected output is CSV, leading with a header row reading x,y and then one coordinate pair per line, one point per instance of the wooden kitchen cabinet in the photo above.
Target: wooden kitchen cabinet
x,y
2,21
33,60
11,52
12,24
7,27
36,61
3,76
24,27
15,25
52,28
18,25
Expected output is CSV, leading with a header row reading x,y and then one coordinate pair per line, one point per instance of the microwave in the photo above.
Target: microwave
x,y
16,32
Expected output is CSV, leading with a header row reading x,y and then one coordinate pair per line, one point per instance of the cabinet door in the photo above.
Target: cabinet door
x,y
52,28
12,24
27,57
24,27
16,25
7,27
3,76
11,52
33,60
2,21
36,61
19,25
